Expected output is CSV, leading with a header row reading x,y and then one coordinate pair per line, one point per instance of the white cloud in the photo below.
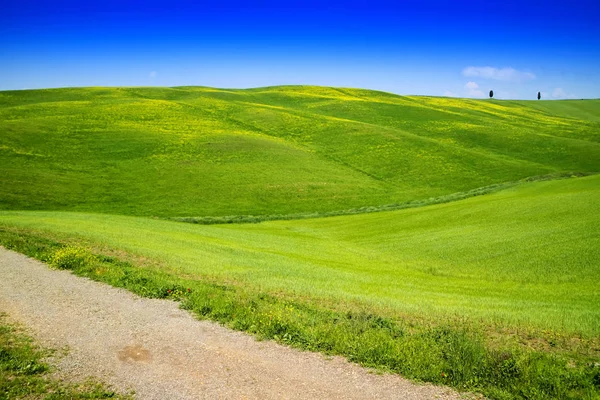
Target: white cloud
x,y
448,93
498,74
559,93
152,75
472,90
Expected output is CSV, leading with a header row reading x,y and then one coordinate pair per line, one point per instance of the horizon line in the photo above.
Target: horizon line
x,y
283,86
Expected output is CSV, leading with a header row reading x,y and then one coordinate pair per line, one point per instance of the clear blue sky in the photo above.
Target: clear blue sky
x,y
460,48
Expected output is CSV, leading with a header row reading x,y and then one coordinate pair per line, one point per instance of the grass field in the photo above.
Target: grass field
x,y
471,258
192,152
488,283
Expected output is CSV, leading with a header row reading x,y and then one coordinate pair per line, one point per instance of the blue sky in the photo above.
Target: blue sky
x,y
455,48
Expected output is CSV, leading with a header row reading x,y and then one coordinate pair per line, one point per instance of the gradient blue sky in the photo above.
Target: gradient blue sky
x,y
457,48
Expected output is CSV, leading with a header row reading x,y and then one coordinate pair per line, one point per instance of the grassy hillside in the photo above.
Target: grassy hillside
x,y
495,293
175,152
524,257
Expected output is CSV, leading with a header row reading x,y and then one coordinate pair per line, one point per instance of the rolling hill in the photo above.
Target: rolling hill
x,y
524,256
480,271
192,151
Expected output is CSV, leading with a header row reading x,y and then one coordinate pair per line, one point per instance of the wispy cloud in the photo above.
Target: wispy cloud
x,y
152,75
499,74
559,93
448,93
472,90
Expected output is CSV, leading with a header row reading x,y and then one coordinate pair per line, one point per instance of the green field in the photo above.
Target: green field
x,y
510,271
470,258
176,152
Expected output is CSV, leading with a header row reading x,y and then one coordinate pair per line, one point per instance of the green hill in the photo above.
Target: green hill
x,y
527,256
195,151
494,293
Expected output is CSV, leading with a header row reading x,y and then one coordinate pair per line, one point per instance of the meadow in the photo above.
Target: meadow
x,y
194,152
467,258
457,240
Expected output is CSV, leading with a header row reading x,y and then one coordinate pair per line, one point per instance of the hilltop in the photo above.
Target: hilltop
x,y
196,151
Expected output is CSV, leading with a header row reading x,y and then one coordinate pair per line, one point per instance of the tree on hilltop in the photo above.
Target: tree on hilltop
x,y
539,95
491,94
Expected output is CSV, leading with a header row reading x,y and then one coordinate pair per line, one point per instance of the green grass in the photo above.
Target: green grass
x,y
524,256
197,152
239,219
24,373
461,245
447,293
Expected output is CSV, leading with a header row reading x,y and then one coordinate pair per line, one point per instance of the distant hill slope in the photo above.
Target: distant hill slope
x,y
194,151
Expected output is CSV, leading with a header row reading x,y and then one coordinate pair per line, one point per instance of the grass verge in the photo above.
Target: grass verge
x,y
24,374
453,353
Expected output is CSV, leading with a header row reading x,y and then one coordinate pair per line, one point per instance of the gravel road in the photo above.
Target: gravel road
x,y
159,351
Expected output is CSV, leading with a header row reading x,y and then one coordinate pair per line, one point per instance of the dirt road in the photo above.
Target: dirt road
x,y
160,351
